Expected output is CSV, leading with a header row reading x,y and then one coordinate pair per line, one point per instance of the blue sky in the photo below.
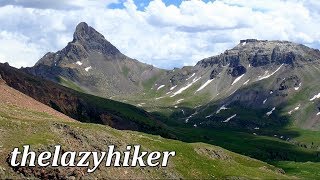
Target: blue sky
x,y
163,33
141,4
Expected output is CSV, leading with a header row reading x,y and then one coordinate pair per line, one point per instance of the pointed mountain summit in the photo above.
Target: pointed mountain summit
x,y
92,40
90,63
86,41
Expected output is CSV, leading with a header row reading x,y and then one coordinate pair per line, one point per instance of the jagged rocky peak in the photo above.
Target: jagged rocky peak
x,y
84,32
86,41
92,40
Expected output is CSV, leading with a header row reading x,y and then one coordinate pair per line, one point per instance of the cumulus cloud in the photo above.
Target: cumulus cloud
x,y
166,36
56,4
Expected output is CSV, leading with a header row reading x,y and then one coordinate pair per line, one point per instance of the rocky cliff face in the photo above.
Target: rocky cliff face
x,y
259,53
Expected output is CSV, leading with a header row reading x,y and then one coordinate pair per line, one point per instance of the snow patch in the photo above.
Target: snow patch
x,y
297,88
168,92
245,83
295,109
195,125
187,120
140,105
190,76
160,97
267,75
315,97
318,113
186,87
270,112
209,116
221,108
227,120
88,68
256,128
244,43
234,91
79,63
205,84
237,79
160,87
172,88
264,102
179,101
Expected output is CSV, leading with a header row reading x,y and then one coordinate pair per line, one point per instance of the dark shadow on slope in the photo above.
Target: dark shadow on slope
x,y
83,107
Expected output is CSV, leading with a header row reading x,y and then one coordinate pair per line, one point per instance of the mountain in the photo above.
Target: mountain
x,y
272,82
94,65
277,77
80,106
23,120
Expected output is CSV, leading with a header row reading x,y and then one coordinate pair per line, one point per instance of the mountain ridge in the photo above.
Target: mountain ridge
x,y
244,75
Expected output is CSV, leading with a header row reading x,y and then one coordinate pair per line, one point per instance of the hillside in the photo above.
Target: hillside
x,y
80,106
26,121
255,75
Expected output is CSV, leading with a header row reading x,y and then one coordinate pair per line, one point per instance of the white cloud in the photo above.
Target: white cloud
x,y
165,36
57,4
17,49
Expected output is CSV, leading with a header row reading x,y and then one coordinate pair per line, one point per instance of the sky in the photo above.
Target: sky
x,y
163,33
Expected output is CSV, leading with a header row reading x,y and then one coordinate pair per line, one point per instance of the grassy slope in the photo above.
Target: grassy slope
x,y
303,146
40,130
63,81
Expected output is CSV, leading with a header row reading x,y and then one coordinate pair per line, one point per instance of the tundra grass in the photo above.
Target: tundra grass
x,y
188,162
